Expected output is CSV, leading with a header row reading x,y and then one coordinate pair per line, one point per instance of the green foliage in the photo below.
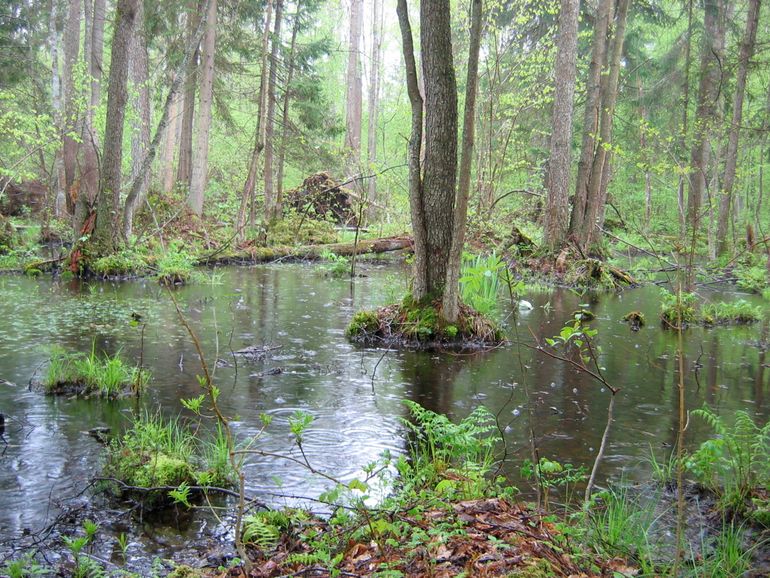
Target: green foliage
x,y
301,229
337,266
175,265
552,474
736,462
730,312
480,281
751,277
677,309
120,264
263,529
157,452
24,567
363,322
106,376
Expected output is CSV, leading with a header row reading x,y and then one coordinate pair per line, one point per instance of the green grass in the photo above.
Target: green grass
x,y
92,374
122,263
723,312
175,266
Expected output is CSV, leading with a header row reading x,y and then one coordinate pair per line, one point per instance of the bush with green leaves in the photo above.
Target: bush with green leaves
x,y
677,309
92,374
337,266
175,265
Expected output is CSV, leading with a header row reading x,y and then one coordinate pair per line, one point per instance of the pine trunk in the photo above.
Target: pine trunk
x,y
71,122
270,201
184,164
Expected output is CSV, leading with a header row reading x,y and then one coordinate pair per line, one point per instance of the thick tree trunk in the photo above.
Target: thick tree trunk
x,y
108,204
184,163
600,171
560,160
200,168
451,305
58,177
140,130
247,196
285,111
72,120
373,105
591,115
354,104
710,72
731,156
414,154
270,204
440,169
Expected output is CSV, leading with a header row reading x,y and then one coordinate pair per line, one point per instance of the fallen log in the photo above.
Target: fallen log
x,y
252,254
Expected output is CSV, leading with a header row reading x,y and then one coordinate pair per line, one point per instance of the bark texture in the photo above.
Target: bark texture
x,y
373,104
184,164
353,107
270,201
71,120
560,159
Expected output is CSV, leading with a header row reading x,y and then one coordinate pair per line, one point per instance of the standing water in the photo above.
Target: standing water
x,y
354,394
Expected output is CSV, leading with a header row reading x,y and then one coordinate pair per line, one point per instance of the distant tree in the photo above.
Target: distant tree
x,y
353,82
271,211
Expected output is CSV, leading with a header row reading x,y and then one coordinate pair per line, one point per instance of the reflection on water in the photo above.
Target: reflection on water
x,y
302,314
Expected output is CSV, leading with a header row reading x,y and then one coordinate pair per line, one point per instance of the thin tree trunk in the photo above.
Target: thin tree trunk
x,y
591,115
710,72
285,111
270,208
643,147
600,172
451,305
247,196
59,177
184,163
560,160
167,160
200,166
685,118
140,134
108,206
731,156
71,115
373,105
420,284
354,100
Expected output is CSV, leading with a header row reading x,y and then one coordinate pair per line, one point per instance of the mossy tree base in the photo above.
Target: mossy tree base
x,y
413,325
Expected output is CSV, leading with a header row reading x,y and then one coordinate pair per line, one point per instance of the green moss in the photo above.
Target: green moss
x,y
299,229
635,318
363,322
184,571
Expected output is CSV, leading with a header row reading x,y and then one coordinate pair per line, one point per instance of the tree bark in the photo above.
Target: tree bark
x,y
354,105
71,114
373,105
167,160
140,133
108,204
270,202
731,156
451,305
247,196
184,163
440,168
285,111
200,166
685,118
591,115
710,72
58,177
600,171
414,154
560,159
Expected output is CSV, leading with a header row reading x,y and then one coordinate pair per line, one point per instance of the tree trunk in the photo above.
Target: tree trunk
x,y
353,107
71,115
560,159
600,171
89,171
108,204
285,111
167,160
731,156
59,177
414,154
451,305
140,133
247,196
685,118
710,71
440,169
591,115
184,163
270,204
200,166
374,96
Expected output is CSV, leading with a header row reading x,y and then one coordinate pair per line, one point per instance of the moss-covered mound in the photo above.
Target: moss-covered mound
x,y
412,324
